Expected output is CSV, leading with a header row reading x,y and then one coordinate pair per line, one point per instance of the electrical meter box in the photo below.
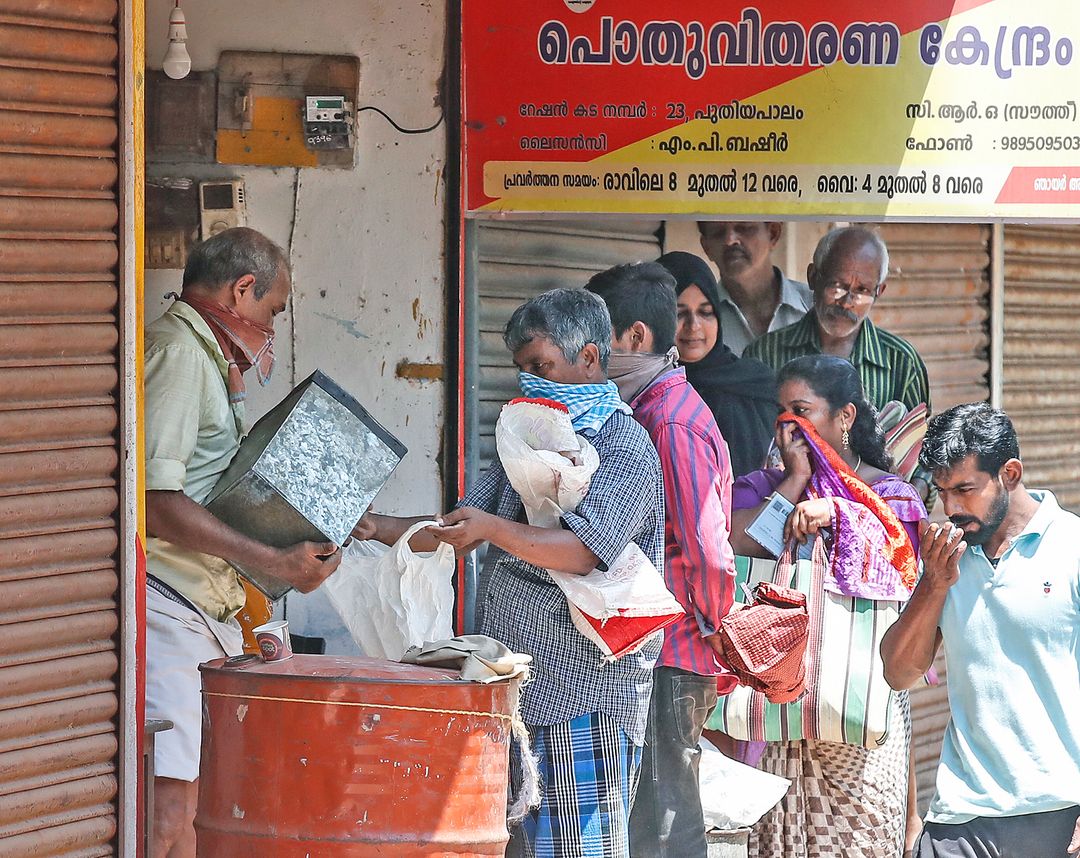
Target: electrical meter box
x,y
222,205
327,122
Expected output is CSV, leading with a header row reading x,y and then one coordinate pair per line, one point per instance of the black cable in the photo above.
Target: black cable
x,y
390,119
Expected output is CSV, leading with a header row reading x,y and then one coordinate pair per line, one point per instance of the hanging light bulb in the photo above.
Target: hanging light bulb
x,y
177,62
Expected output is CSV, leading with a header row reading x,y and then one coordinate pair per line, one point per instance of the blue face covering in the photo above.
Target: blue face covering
x,y
590,405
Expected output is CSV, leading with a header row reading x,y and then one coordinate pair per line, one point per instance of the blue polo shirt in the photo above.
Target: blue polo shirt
x,y
1012,645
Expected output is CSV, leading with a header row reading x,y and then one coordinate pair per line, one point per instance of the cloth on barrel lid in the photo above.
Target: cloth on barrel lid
x,y
477,658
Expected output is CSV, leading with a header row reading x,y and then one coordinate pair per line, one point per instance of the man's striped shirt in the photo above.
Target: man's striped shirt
x,y
888,366
699,564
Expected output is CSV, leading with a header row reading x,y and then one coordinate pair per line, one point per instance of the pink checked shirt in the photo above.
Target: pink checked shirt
x,y
699,565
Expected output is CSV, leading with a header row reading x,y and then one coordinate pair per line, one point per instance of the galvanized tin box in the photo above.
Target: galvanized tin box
x,y
307,471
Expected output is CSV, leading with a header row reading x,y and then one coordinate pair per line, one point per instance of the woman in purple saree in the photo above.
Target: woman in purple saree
x,y
845,801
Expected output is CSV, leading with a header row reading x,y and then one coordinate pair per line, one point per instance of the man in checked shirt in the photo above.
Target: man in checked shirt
x,y
700,565
586,715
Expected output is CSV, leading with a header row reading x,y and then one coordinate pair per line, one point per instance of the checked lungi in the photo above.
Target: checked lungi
x,y
589,771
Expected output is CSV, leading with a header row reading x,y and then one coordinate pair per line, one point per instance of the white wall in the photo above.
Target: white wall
x,y
367,243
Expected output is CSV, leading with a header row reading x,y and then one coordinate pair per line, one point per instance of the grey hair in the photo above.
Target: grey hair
x,y
828,242
227,256
569,318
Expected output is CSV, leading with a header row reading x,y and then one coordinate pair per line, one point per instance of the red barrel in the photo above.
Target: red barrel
x,y
326,756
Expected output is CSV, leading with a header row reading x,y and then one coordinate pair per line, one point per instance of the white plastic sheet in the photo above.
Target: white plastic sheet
x,y
392,598
734,795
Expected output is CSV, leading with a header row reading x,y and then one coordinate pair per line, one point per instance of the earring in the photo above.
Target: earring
x,y
845,439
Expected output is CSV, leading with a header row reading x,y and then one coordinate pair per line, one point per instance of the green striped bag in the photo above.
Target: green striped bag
x,y
846,699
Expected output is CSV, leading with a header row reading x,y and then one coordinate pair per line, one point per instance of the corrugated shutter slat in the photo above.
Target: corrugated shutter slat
x,y
1042,352
59,452
938,300
520,259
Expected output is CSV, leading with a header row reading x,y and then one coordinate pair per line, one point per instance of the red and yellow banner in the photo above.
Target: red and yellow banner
x,y
920,109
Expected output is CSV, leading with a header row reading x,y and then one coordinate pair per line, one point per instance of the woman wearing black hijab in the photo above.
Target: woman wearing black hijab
x,y
740,391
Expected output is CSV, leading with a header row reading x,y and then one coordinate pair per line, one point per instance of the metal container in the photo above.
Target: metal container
x,y
308,470
331,756
733,843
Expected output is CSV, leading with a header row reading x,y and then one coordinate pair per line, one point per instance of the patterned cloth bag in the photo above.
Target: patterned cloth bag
x,y
764,643
847,699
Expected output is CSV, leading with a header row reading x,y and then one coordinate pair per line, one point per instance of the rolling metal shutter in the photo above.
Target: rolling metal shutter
x,y
1041,373
939,300
59,416
513,261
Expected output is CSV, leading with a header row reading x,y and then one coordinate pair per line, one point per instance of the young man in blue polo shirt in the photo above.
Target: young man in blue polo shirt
x,y
1001,591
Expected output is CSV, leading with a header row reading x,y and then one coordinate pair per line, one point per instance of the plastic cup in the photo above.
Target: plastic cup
x,y
273,640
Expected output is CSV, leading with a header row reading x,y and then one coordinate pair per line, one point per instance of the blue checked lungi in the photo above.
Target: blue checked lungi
x,y
589,771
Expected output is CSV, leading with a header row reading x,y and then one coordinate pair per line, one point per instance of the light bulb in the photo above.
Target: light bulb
x,y
177,62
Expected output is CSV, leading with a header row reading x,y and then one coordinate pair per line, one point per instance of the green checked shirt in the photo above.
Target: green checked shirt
x,y
889,367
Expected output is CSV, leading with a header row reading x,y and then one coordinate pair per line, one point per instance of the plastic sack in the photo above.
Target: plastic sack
x,y
734,795
548,464
392,598
621,607
551,467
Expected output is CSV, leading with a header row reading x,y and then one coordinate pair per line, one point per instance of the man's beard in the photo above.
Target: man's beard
x,y
986,527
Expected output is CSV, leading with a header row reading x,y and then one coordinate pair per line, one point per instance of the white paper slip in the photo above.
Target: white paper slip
x,y
767,529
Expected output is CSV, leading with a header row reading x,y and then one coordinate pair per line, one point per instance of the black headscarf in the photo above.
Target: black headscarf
x,y
740,391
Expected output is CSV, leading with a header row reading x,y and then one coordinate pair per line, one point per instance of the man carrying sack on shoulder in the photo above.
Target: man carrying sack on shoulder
x,y
586,714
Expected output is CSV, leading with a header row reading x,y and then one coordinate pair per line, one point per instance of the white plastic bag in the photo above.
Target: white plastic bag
x,y
734,795
391,598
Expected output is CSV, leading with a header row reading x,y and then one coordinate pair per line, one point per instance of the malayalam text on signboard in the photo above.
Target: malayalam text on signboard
x,y
918,109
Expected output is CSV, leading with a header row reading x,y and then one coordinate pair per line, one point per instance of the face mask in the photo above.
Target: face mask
x,y
590,405
632,372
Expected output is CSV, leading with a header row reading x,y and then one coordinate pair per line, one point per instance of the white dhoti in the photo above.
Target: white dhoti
x,y
178,640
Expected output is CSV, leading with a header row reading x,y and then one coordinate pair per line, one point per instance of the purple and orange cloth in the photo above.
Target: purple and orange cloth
x,y
871,554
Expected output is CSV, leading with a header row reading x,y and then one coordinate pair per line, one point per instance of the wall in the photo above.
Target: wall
x,y
366,244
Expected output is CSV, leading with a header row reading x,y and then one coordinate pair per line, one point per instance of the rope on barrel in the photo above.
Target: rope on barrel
x,y
529,792
364,705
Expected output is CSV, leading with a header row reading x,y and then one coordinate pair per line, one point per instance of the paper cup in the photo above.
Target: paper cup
x,y
273,640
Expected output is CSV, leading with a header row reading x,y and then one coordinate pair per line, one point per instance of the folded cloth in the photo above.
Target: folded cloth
x,y
904,432
477,658
765,642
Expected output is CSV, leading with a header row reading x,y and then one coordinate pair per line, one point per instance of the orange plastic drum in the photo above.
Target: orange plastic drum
x,y
321,756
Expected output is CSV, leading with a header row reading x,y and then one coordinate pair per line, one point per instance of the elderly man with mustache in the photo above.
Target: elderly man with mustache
x,y
847,276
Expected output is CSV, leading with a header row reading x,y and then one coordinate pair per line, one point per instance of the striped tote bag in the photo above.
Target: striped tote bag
x,y
847,699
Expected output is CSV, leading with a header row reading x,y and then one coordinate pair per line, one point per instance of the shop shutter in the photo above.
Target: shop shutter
x,y
516,260
938,300
59,416
1041,377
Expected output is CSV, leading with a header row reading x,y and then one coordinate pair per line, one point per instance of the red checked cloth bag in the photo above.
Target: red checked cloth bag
x,y
764,643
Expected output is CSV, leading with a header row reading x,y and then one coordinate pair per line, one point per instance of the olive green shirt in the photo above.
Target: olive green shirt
x,y
192,433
